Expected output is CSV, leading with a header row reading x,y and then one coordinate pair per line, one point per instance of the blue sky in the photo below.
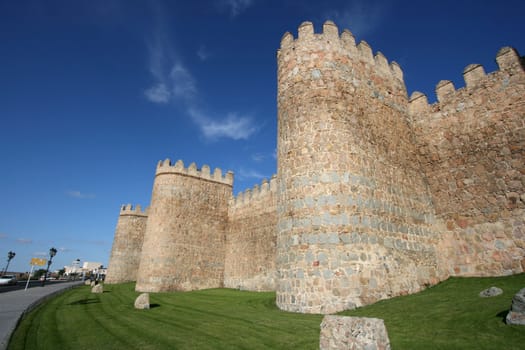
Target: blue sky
x,y
94,93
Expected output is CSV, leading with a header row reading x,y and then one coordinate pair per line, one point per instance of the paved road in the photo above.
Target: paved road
x,y
22,285
13,305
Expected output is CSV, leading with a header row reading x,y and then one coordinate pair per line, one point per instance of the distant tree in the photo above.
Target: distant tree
x,y
39,273
61,272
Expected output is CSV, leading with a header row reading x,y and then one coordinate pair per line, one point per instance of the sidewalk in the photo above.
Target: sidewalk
x,y
14,304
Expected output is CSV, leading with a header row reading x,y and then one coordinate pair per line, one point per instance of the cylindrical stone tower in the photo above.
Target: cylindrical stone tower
x,y
127,245
184,244
347,222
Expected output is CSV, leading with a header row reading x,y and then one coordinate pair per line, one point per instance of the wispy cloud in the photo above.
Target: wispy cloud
x,y
65,250
97,242
80,195
158,93
174,82
184,85
24,241
360,17
258,157
203,53
3,235
179,83
233,126
42,254
76,241
250,174
235,7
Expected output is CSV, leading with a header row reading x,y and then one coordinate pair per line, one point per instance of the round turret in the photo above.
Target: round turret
x,y
343,142
187,220
127,245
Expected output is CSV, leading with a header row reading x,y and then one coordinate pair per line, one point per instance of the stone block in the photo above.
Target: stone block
x,y
142,301
341,332
490,292
517,309
97,289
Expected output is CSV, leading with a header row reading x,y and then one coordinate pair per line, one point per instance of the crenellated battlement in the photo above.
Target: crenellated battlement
x,y
509,64
255,193
128,209
377,195
330,40
166,167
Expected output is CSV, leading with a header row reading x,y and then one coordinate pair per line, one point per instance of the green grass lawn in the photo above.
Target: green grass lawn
x,y
447,316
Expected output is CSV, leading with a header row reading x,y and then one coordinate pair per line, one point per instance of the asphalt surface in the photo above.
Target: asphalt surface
x,y
14,303
22,285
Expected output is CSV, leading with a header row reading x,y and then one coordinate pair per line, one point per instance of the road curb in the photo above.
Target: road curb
x,y
11,328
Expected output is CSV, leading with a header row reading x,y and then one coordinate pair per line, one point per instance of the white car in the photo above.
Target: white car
x,y
7,279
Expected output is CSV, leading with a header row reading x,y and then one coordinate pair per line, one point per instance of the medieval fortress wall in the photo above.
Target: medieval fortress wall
x,y
127,244
184,241
355,214
376,195
250,243
471,145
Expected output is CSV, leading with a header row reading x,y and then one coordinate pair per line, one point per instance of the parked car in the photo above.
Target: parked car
x,y
47,279
7,279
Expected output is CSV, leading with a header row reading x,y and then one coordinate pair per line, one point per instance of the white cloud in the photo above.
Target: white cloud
x,y
97,242
233,126
258,157
235,7
24,240
361,17
43,254
80,195
158,93
250,174
177,84
203,53
182,81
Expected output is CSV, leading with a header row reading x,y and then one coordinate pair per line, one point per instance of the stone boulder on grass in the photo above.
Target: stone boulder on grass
x,y
142,301
516,314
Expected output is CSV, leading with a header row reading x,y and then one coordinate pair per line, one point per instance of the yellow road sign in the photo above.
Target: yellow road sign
x,y
38,261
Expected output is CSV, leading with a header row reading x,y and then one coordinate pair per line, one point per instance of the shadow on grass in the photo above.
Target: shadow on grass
x,y
503,315
85,302
152,306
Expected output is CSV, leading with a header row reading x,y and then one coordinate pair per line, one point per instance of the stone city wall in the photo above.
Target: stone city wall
x,y
184,244
250,243
127,245
376,195
355,217
471,144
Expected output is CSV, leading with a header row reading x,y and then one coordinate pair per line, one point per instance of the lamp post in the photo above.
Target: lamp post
x,y
52,253
10,256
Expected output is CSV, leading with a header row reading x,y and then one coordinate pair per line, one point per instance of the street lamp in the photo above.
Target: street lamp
x,y
10,256
52,253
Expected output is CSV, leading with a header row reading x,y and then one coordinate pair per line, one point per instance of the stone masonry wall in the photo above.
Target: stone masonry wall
x,y
376,195
127,245
184,244
471,144
250,243
355,217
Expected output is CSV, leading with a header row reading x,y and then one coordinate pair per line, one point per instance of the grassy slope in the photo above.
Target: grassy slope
x,y
451,315
209,319
447,316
